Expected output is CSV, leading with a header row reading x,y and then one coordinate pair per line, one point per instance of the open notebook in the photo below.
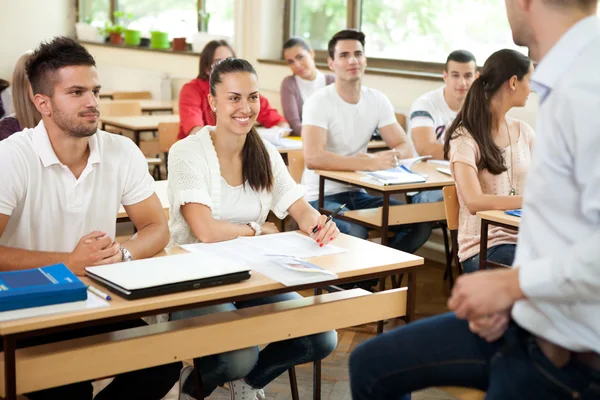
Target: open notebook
x,y
401,174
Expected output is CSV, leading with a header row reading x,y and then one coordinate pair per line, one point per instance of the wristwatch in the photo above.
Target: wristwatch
x,y
126,254
255,227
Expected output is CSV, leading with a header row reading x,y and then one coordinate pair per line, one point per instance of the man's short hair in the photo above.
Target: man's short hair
x,y
51,56
346,34
460,56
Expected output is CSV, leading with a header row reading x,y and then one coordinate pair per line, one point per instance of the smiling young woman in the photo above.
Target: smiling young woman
x,y
304,81
223,181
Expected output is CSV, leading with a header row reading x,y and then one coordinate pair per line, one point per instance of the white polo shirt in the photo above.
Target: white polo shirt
x,y
559,238
49,209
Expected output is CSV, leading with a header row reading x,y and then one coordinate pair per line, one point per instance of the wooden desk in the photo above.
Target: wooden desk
x,y
26,370
160,188
143,123
382,217
147,106
494,218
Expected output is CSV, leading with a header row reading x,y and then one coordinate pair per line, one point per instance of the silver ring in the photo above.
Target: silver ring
x,y
396,161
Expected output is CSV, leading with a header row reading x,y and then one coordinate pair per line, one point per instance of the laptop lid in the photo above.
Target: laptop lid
x,y
164,271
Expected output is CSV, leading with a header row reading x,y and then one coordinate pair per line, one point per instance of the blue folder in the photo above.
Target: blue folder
x,y
37,287
514,213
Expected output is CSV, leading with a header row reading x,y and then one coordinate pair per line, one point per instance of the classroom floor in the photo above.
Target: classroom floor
x,y
432,294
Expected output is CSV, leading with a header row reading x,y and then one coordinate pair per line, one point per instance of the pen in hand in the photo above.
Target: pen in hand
x,y
329,218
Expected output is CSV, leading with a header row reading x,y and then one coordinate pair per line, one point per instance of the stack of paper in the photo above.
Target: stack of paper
x,y
275,136
267,253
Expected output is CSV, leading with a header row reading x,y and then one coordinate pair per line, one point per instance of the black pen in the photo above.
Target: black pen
x,y
329,218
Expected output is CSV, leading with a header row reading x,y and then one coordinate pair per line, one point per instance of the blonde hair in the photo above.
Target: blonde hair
x,y
26,113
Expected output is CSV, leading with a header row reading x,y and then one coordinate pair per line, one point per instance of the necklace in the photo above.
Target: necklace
x,y
511,177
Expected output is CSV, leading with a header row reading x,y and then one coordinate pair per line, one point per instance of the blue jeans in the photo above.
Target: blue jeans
x,y
442,351
503,254
430,196
258,368
409,238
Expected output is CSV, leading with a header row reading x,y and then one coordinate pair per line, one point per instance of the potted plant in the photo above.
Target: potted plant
x,y
179,42
132,36
159,40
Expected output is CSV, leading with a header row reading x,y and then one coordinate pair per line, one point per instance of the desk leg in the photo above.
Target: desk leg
x,y
381,289
385,218
10,368
321,193
412,297
483,245
317,368
137,138
198,377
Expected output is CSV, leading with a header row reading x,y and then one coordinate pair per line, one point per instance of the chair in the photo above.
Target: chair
x,y
167,136
133,109
401,118
451,206
296,164
145,95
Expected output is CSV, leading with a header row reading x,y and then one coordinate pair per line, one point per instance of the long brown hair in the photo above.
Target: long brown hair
x,y
25,111
207,55
256,163
476,116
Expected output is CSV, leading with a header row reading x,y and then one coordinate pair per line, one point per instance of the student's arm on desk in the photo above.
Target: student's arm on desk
x,y
152,229
475,200
425,143
91,248
314,140
210,230
395,137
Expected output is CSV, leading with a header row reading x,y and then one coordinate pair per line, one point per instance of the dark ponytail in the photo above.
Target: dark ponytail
x,y
476,116
256,163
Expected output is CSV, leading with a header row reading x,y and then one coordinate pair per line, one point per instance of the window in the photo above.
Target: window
x,y
180,18
177,17
406,34
427,30
318,20
220,17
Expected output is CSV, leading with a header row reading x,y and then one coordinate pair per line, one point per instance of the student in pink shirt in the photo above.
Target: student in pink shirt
x,y
490,154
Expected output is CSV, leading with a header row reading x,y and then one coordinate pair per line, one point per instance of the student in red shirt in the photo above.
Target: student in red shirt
x,y
194,110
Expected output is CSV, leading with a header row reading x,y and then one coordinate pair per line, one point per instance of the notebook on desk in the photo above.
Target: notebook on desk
x,y
162,275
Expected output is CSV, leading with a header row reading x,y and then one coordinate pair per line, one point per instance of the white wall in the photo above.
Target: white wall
x,y
25,23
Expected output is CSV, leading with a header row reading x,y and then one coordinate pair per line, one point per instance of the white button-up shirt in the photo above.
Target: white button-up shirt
x,y
559,240
49,209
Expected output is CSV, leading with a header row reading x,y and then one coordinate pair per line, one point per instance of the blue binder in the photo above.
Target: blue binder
x,y
37,287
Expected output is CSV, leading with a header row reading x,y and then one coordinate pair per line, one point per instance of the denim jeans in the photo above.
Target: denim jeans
x,y
442,351
503,254
429,196
146,384
409,238
258,368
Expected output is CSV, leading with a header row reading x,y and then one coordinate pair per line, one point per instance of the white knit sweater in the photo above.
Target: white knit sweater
x,y
195,177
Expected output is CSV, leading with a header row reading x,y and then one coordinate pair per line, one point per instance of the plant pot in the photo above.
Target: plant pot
x,y
159,40
179,44
145,42
116,38
132,37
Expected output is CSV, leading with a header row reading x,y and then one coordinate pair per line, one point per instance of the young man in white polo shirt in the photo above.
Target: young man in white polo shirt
x,y
337,124
433,112
62,184
551,348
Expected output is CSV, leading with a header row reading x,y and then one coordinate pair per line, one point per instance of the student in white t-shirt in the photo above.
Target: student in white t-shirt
x,y
338,122
306,80
61,187
432,113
